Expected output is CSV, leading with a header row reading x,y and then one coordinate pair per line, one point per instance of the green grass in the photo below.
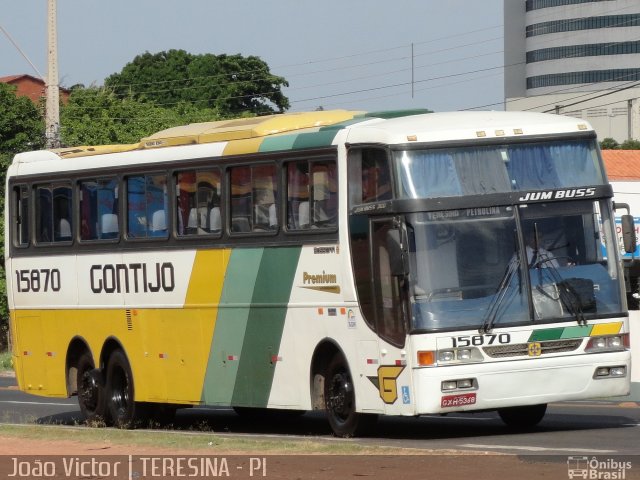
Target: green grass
x,y
5,361
199,442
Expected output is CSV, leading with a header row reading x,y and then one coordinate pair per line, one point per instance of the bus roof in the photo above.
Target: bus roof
x,y
308,129
223,131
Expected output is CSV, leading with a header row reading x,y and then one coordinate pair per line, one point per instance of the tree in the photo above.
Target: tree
x,y
609,144
231,84
21,128
97,116
630,145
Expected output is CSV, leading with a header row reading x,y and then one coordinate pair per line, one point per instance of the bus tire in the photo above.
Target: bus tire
x,y
522,418
340,401
91,391
123,410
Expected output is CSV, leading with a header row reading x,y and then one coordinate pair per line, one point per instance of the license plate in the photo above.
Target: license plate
x,y
458,400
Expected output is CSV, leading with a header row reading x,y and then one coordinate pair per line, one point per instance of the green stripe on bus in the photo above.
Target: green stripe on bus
x,y
265,326
322,138
231,324
275,144
577,332
549,334
314,140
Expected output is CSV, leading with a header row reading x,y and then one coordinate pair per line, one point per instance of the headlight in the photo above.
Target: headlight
x,y
459,355
611,343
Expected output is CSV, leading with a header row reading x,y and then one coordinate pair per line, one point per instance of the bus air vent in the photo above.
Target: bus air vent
x,y
522,349
129,320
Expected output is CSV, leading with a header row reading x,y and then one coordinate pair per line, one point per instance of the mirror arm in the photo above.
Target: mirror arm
x,y
618,206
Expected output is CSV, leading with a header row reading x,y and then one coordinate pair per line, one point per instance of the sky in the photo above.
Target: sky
x,y
352,54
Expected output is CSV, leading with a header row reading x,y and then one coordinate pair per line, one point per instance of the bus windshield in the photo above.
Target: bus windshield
x,y
511,265
475,170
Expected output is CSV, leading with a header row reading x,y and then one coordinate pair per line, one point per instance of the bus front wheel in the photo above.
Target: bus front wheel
x,y
340,401
123,410
91,391
523,417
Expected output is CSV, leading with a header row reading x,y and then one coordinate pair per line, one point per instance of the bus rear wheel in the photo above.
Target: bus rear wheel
x,y
123,410
522,418
91,391
340,402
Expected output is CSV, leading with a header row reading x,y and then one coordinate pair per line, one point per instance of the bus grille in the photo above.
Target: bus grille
x,y
522,349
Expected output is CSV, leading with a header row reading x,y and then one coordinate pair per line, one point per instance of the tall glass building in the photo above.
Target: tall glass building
x,y
557,48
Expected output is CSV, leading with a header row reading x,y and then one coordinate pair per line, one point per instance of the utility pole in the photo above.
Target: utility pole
x,y
52,112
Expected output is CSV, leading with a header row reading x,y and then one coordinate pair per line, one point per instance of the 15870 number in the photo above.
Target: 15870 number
x,y
38,280
479,340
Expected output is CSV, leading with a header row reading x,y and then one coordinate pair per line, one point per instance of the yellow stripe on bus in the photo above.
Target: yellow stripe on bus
x,y
241,147
207,277
606,329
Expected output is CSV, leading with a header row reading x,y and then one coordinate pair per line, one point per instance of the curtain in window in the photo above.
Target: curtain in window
x,y
429,174
481,171
553,166
531,167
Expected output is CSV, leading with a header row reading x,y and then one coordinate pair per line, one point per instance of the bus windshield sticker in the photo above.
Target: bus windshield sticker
x,y
565,194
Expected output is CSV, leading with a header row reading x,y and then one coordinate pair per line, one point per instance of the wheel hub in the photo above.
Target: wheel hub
x,y
89,388
340,393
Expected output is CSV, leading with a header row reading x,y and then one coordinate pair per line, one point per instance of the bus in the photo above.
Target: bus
x,y
363,264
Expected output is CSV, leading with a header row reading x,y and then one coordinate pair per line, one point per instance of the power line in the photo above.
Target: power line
x,y
332,59
24,55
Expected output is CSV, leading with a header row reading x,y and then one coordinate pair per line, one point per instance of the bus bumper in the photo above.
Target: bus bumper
x,y
525,382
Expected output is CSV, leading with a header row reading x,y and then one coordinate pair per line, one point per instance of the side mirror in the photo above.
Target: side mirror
x,y
628,233
397,258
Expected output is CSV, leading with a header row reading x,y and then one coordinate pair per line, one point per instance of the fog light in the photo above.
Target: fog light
x,y
466,383
449,385
618,371
602,372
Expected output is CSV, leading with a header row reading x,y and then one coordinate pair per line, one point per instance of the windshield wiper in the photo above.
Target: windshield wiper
x,y
490,317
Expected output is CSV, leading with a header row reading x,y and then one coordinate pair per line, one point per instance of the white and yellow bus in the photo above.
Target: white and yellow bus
x,y
394,263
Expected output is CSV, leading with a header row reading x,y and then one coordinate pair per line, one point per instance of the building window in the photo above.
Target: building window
x,y
588,23
576,78
538,4
590,50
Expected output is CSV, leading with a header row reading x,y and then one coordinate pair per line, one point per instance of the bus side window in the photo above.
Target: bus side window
x,y
253,205
198,202
312,195
99,209
324,194
376,179
264,198
21,216
147,207
53,213
369,176
389,295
